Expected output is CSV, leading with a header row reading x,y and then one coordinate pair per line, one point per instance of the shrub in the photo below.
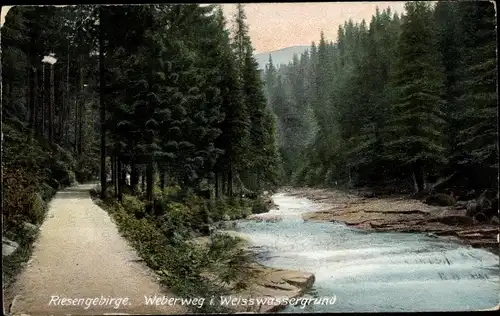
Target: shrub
x,y
18,189
134,206
36,211
46,191
61,173
261,205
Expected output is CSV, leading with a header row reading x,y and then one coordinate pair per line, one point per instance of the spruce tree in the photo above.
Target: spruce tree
x,y
417,115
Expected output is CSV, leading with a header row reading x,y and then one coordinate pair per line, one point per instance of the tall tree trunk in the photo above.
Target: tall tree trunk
x,y
258,180
133,177
418,176
149,178
230,180
102,104
44,100
143,180
113,169
81,110
162,177
66,101
32,95
119,175
216,185
75,146
52,105
115,174
223,183
36,98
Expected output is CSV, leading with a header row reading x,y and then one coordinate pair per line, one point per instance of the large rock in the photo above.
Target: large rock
x,y
494,220
265,218
225,225
30,226
472,208
461,205
484,203
440,199
8,247
480,217
273,283
367,194
454,220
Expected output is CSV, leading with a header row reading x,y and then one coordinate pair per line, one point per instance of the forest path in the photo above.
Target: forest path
x,y
79,254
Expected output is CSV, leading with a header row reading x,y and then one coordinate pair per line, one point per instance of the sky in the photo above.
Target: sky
x,y
278,25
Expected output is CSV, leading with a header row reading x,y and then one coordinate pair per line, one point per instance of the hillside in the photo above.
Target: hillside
x,y
281,56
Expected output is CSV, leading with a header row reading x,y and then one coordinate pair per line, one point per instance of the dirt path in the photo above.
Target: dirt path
x,y
79,254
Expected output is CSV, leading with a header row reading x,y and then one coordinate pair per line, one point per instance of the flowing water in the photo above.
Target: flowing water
x,y
374,272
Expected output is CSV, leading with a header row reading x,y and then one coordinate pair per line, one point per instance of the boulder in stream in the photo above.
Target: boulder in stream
x,y
494,220
440,199
265,218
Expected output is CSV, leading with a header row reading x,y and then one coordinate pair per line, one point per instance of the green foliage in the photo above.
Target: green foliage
x,y
46,191
182,265
402,95
17,195
37,208
261,205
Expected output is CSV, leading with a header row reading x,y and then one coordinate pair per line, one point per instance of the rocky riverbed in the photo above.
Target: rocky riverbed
x,y
400,214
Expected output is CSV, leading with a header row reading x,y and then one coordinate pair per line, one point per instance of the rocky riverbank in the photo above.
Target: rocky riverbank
x,y
261,283
400,214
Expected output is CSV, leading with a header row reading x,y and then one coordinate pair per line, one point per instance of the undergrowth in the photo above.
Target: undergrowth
x,y
32,171
164,240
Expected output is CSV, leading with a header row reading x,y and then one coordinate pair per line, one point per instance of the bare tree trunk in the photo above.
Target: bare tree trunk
x,y
31,94
149,179
81,111
52,105
113,169
230,180
223,183
60,113
102,104
418,176
37,103
133,177
162,178
119,175
143,180
75,146
66,100
115,174
216,185
34,100
44,100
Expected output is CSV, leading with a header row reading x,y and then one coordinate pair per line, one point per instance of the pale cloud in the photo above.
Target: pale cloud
x,y
277,25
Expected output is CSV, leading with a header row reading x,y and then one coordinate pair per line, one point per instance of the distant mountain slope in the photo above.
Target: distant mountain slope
x,y
281,56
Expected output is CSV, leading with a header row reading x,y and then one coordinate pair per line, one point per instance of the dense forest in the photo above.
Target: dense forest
x,y
404,101
164,105
174,98
167,110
